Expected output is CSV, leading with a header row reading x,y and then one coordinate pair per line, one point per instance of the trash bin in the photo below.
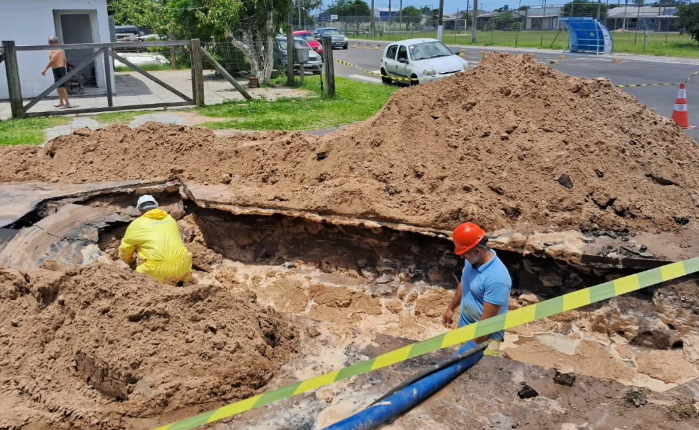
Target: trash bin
x,y
303,55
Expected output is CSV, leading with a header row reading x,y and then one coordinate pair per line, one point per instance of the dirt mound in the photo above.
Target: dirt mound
x,y
99,346
511,142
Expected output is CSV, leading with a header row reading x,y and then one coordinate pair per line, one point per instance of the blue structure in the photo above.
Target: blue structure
x,y
384,16
588,35
407,398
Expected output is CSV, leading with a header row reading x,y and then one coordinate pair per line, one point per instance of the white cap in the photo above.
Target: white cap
x,y
146,203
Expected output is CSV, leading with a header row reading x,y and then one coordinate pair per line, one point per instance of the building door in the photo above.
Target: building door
x,y
77,28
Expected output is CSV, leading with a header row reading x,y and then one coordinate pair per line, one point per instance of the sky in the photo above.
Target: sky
x,y
452,6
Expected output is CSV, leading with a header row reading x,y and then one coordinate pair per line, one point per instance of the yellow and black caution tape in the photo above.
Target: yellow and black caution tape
x,y
648,85
525,315
393,78
693,75
660,85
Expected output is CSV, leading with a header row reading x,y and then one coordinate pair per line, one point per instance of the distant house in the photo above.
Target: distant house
x,y
495,20
31,22
543,18
458,22
646,18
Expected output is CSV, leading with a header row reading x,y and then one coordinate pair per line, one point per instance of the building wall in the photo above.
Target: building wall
x,y
31,22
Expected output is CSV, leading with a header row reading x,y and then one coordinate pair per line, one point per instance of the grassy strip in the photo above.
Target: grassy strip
x,y
661,44
29,131
124,117
355,101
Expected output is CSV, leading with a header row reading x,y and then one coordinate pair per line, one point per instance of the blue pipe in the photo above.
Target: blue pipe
x,y
406,399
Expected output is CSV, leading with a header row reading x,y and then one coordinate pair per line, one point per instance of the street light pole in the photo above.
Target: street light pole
x,y
440,24
300,27
372,25
474,23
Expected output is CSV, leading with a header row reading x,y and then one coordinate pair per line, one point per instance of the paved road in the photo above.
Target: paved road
x,y
638,70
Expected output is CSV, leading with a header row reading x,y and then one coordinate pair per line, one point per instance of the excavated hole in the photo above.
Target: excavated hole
x,y
396,282
378,260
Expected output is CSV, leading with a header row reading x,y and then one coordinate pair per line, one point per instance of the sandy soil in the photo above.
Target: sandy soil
x,y
85,348
508,142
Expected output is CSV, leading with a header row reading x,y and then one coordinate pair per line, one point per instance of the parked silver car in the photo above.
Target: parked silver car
x,y
419,60
315,61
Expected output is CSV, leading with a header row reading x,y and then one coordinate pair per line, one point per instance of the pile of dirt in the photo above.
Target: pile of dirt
x,y
99,346
508,143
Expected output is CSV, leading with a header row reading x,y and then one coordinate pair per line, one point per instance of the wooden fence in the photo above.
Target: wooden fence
x,y
108,51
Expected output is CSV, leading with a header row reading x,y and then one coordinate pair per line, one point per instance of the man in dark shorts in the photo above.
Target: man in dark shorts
x,y
57,62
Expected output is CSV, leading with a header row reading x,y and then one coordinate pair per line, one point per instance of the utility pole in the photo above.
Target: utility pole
x,y
372,26
400,14
623,23
440,23
474,22
599,9
300,27
389,15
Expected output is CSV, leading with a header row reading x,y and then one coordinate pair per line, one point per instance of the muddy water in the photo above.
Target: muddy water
x,y
382,281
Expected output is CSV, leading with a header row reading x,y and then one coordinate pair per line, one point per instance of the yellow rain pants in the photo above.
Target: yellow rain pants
x,y
156,237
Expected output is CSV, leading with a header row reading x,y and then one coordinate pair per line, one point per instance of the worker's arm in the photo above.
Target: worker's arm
x,y
489,310
126,251
129,244
447,318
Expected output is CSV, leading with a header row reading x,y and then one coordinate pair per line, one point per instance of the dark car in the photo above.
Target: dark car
x,y
339,40
127,31
315,61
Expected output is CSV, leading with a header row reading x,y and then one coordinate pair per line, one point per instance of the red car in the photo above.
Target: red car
x,y
310,39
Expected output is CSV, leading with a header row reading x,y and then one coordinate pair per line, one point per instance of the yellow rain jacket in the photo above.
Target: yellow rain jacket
x,y
156,237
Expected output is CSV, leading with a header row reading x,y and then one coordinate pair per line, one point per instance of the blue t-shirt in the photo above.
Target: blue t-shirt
x,y
490,283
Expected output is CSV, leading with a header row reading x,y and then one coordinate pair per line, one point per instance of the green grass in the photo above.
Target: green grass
x,y
673,44
148,68
355,101
28,131
119,117
31,131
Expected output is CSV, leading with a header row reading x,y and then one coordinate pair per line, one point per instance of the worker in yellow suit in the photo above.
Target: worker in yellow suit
x,y
156,237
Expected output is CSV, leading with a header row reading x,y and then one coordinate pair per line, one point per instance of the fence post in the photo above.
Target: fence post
x,y
197,73
290,53
108,76
328,67
12,71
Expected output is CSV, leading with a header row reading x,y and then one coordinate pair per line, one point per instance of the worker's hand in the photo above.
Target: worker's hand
x,y
447,318
43,73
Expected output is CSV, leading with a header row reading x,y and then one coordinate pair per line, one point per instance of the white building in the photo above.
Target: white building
x,y
543,18
31,22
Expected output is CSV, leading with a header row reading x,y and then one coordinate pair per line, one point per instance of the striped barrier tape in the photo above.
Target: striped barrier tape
x,y
660,85
648,85
394,78
525,315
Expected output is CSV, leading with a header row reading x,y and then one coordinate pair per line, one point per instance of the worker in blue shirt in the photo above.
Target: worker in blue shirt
x,y
484,290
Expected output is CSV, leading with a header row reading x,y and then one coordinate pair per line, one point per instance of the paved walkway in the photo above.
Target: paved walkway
x,y
135,89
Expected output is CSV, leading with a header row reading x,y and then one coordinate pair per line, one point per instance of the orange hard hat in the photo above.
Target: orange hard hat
x,y
466,237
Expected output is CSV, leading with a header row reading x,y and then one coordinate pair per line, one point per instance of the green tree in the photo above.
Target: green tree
x,y
250,25
669,3
307,7
584,8
412,15
144,14
689,19
349,8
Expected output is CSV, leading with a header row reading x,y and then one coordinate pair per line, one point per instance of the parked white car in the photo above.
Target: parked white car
x,y
421,60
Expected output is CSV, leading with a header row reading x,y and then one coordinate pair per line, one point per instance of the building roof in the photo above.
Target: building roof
x,y
642,12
